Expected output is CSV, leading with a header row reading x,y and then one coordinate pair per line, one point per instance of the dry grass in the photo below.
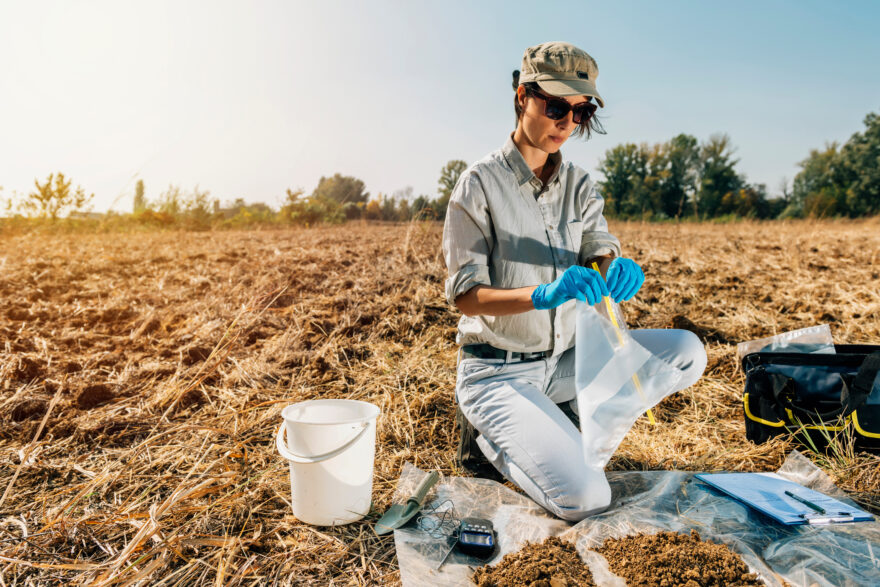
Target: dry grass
x,y
143,376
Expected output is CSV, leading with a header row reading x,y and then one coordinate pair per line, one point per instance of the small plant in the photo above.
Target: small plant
x,y
839,452
55,198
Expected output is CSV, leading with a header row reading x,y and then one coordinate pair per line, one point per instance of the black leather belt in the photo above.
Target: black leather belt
x,y
486,351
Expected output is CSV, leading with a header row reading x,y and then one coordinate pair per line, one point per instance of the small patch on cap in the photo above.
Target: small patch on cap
x,y
583,75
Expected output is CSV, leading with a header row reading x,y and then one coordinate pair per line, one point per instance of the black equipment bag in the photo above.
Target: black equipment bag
x,y
819,397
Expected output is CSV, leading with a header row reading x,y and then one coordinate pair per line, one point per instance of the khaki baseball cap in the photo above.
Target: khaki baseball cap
x,y
561,69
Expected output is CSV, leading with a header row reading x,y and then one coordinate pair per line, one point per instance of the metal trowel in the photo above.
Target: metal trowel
x,y
401,513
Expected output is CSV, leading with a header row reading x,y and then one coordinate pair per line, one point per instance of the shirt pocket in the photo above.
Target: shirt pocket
x,y
575,230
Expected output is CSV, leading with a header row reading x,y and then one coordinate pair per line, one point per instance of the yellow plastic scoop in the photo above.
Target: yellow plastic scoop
x,y
621,340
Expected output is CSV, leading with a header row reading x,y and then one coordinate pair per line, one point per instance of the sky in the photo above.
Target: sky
x,y
248,99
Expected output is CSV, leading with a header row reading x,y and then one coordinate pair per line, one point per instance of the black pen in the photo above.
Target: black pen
x,y
810,504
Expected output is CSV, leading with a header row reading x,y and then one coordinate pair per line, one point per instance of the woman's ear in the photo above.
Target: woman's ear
x,y
521,96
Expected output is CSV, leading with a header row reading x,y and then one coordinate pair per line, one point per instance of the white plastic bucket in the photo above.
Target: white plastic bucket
x,y
331,446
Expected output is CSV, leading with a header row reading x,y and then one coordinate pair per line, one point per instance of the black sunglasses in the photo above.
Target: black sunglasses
x,y
557,109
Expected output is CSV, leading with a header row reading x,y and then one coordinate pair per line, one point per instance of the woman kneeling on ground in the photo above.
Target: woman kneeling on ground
x,y
522,229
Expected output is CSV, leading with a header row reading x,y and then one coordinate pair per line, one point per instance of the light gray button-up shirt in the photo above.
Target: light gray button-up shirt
x,y
506,229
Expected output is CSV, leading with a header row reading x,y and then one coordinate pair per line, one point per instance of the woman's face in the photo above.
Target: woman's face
x,y
542,132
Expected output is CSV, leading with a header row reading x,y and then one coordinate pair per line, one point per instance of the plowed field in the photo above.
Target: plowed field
x,y
152,368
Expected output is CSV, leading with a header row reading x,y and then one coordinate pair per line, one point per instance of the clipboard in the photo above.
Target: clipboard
x,y
766,492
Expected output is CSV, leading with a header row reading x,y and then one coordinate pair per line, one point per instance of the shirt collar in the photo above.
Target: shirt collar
x,y
556,161
521,169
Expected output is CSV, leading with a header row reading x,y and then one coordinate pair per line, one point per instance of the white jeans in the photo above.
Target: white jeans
x,y
525,434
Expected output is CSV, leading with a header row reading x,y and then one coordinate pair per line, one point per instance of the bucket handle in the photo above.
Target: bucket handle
x,y
303,460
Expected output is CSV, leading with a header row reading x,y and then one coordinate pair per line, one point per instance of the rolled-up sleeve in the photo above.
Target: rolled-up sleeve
x,y
467,237
596,239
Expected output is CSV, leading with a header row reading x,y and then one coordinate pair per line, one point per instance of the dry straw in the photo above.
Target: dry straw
x,y
143,375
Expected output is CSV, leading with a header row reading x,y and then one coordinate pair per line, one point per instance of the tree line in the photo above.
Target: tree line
x,y
334,200
678,179
683,178
340,198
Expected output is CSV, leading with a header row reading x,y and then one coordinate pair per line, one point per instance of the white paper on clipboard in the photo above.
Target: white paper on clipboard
x,y
765,492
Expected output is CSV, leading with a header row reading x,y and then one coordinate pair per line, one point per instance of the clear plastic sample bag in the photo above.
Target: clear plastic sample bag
x,y
814,339
617,380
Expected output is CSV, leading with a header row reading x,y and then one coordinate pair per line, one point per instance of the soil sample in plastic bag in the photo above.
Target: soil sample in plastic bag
x,y
668,559
552,563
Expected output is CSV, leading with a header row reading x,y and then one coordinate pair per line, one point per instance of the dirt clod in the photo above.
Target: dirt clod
x,y
552,563
667,559
149,325
195,354
26,369
93,396
28,409
704,333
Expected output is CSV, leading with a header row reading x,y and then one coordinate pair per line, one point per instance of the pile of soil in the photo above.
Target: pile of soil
x,y
668,559
552,563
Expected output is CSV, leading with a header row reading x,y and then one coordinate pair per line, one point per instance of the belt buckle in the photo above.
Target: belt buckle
x,y
539,355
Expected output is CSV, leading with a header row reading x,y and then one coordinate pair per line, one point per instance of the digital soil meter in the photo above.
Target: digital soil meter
x,y
476,537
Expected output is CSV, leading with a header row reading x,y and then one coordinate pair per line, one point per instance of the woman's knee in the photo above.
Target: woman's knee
x,y
693,358
585,496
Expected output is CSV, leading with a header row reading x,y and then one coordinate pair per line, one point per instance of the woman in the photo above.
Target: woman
x,y
522,229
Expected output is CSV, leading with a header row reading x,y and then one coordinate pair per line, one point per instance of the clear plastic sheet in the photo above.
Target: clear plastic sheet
x,y
617,380
516,518
814,339
648,502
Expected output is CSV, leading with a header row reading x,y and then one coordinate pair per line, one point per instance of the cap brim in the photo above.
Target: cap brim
x,y
578,87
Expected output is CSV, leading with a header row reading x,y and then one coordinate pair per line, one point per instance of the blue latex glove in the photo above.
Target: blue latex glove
x,y
577,282
624,278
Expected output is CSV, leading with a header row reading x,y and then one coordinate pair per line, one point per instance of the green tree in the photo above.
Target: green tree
x,y
860,169
667,180
638,202
55,197
448,178
624,187
170,202
718,175
341,189
421,208
780,205
749,202
373,210
313,210
402,199
197,209
388,207
654,183
288,208
353,210
818,189
840,181
404,210
140,201
683,168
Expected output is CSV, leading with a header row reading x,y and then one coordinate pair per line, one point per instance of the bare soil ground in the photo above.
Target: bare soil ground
x,y
152,369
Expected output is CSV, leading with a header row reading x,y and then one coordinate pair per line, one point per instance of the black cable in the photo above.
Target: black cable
x,y
439,521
